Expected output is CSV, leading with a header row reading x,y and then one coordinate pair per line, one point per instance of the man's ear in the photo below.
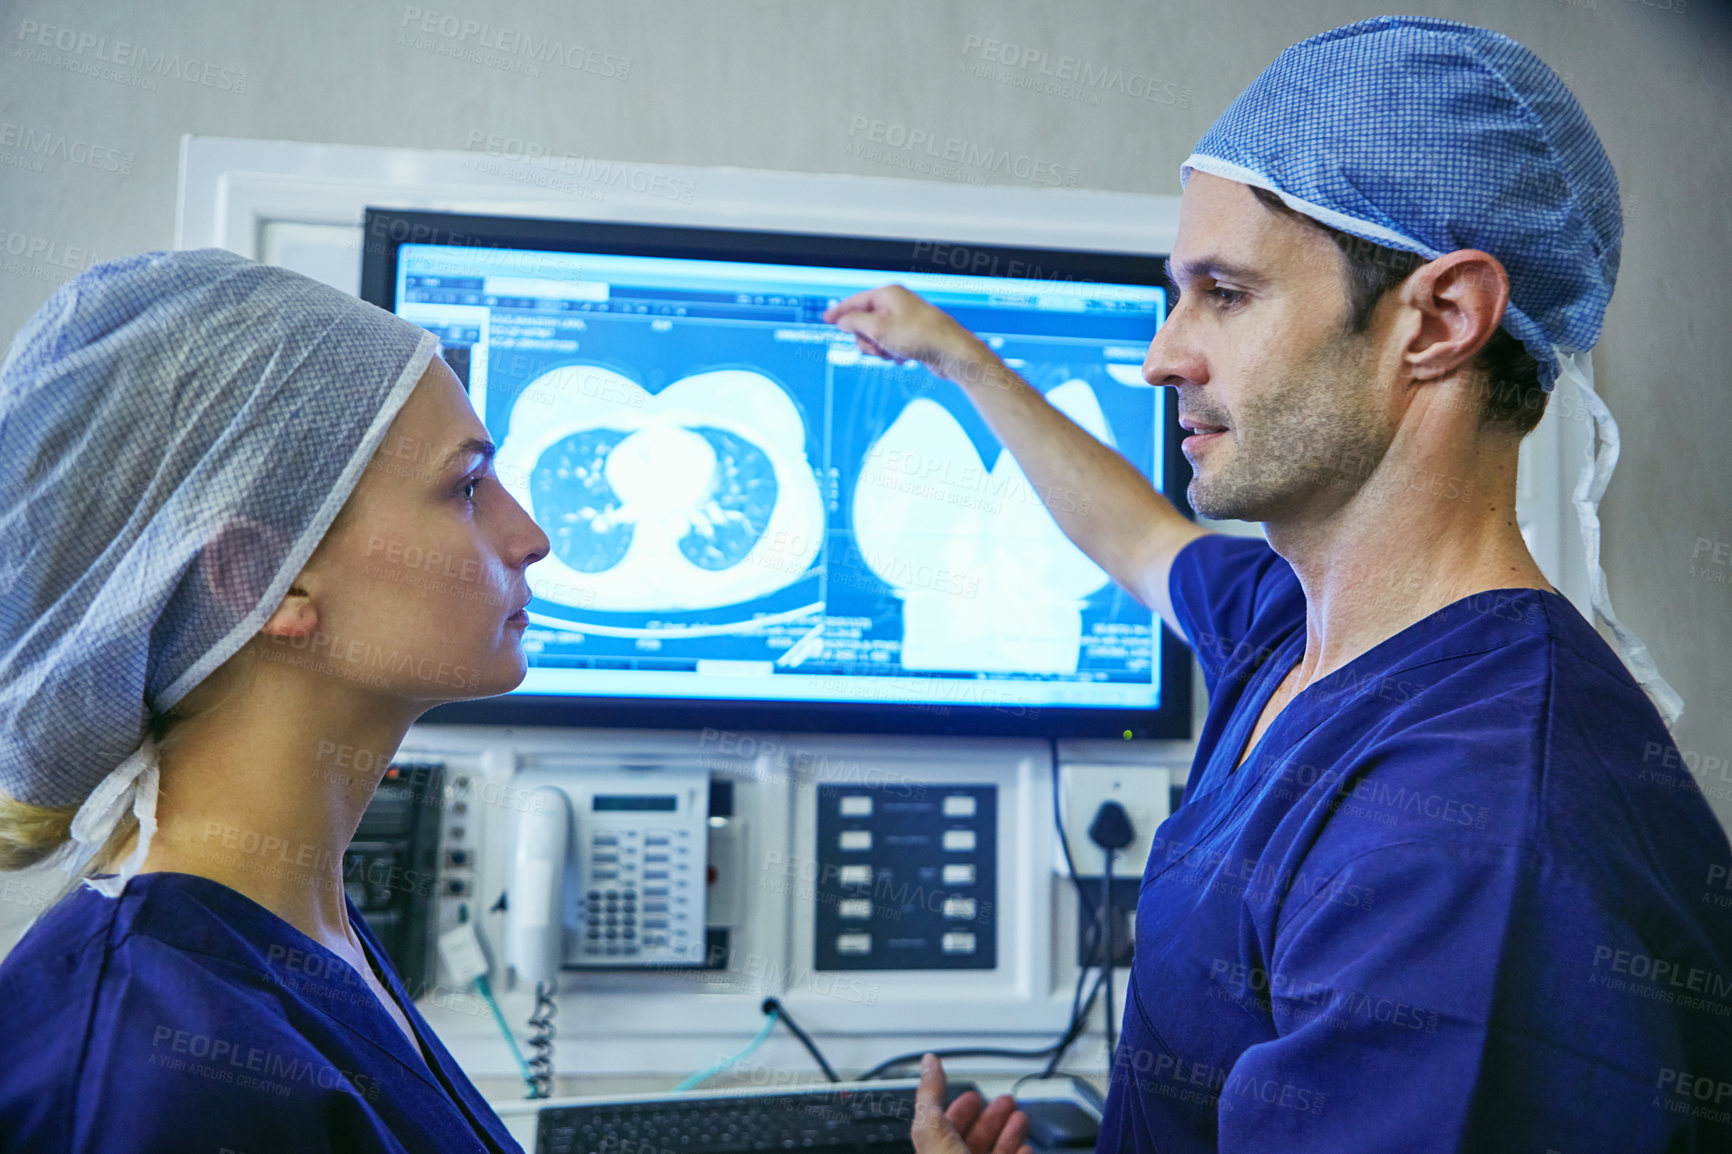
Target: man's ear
x,y
1460,298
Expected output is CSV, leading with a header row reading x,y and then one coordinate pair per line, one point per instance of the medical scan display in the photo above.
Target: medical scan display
x,y
741,505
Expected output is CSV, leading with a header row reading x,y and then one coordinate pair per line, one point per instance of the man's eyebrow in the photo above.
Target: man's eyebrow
x,y
469,448
1215,268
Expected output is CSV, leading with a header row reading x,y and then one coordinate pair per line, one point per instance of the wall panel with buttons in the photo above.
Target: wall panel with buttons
x,y
907,877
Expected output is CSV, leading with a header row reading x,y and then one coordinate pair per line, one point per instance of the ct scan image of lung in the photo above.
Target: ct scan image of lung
x,y
926,503
667,501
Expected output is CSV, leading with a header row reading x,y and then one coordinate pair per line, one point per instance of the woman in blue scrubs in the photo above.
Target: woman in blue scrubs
x,y
253,533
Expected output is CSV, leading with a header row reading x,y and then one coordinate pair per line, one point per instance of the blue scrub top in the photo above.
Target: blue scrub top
x,y
1463,895
185,1016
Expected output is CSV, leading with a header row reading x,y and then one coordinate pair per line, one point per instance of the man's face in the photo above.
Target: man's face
x,y
1287,415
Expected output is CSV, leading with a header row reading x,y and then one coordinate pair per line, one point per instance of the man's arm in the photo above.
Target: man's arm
x,y
1126,526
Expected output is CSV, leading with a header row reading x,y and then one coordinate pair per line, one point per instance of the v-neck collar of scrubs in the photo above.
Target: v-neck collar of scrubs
x,y
373,1022
1228,779
384,977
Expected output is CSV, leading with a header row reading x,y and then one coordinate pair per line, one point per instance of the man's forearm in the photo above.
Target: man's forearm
x,y
1108,509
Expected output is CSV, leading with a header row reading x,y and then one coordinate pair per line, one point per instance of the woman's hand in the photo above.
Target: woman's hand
x,y
969,1126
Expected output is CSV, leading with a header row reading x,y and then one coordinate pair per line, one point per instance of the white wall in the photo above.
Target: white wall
x,y
787,86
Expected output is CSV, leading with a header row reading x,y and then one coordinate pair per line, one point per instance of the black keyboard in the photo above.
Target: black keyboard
x,y
860,1117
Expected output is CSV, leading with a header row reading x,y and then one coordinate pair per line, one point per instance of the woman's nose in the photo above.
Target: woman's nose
x,y
529,540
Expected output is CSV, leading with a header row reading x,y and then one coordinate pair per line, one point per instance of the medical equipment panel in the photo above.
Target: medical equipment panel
x,y
391,865
907,877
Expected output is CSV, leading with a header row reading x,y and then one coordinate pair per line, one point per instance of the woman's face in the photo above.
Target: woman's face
x,y
418,590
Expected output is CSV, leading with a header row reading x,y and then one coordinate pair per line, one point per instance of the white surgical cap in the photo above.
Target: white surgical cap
x,y
1431,136
177,432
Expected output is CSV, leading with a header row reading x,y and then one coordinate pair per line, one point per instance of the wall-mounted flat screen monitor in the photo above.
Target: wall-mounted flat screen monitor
x,y
754,524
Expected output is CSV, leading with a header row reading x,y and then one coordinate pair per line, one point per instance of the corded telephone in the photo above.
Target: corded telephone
x,y
609,869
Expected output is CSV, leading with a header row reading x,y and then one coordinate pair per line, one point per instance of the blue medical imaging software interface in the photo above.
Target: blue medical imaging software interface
x,y
741,505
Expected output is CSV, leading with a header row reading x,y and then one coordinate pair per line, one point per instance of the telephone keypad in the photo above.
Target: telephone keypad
x,y
661,871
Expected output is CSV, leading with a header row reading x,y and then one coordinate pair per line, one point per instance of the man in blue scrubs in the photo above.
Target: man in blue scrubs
x,y
1433,885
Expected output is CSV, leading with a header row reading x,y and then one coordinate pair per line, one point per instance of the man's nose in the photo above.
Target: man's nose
x,y
1173,358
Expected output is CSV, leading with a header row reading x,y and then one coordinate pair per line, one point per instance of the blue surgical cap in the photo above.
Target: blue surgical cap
x,y
177,432
1431,136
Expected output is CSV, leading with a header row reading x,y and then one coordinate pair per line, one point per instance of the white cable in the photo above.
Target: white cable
x,y
1596,473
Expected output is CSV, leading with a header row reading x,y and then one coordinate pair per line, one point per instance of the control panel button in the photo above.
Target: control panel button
x,y
959,840
855,875
855,839
958,942
959,805
959,874
959,908
855,805
854,943
854,908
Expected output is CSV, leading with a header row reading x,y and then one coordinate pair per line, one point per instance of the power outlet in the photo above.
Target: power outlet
x,y
1123,917
1141,789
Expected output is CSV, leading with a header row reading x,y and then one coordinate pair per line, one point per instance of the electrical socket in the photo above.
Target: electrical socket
x,y
1141,789
1089,939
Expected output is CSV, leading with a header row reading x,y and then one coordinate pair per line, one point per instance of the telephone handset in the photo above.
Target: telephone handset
x,y
534,937
609,870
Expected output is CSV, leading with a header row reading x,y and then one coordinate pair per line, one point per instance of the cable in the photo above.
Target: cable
x,y
771,1005
1058,821
541,1042
1111,829
708,1072
1078,1012
1108,953
1086,946
1082,899
1077,1025
968,1052
486,990
1101,916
